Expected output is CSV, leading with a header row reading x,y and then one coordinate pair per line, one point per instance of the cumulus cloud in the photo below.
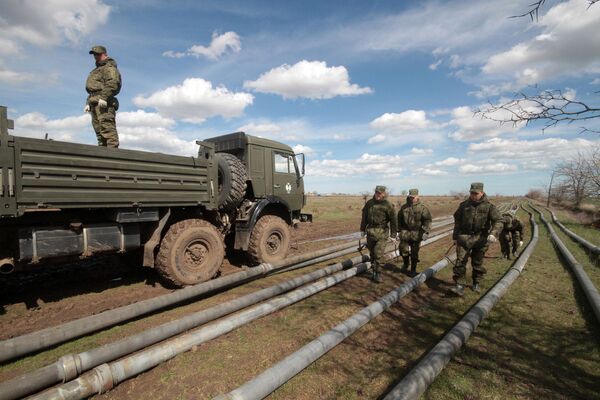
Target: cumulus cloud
x,y
405,122
50,22
376,139
419,151
36,125
450,162
260,129
308,79
14,77
195,100
497,168
430,172
567,45
471,127
220,44
550,148
386,166
299,148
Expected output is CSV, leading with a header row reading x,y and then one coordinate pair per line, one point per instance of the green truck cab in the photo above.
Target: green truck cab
x,y
60,201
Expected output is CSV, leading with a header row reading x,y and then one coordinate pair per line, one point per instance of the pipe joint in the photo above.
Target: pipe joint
x,y
70,367
103,379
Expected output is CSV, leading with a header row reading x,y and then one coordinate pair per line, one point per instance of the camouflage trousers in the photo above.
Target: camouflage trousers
x,y
105,125
376,246
505,241
410,248
474,247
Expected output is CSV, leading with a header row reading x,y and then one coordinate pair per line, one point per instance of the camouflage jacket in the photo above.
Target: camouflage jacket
x,y
513,225
414,217
103,82
477,218
377,218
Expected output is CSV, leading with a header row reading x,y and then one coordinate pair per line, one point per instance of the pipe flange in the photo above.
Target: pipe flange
x,y
103,379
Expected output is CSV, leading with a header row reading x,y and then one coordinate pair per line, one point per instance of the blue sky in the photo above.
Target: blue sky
x,y
378,92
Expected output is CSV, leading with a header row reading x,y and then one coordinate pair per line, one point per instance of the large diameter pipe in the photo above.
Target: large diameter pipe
x,y
72,365
586,284
106,376
414,384
29,343
265,383
592,248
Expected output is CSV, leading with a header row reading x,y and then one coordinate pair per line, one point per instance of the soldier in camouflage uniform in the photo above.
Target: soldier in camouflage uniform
x,y
414,223
512,231
379,224
477,223
102,85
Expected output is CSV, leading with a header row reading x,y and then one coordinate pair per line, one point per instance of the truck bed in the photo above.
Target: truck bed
x,y
42,174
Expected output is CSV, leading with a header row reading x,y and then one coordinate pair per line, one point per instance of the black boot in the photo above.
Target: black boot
x,y
405,264
413,267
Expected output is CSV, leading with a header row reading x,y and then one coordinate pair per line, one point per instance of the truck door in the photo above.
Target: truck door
x,y
286,179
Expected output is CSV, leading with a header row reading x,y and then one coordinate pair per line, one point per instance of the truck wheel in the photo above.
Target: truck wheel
x,y
232,181
191,252
270,240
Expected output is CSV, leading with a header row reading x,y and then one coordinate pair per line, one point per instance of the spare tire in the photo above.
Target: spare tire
x,y
232,181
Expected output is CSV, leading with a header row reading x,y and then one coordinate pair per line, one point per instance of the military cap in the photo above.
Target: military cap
x,y
413,192
476,187
98,50
380,189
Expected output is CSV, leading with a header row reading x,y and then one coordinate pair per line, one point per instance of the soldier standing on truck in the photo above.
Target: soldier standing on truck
x,y
512,231
378,223
103,84
414,223
477,223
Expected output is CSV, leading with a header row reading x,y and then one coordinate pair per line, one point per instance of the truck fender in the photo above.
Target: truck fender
x,y
154,240
244,230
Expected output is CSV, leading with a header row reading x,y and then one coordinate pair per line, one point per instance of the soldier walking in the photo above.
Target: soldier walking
x,y
102,85
414,223
378,223
477,223
512,232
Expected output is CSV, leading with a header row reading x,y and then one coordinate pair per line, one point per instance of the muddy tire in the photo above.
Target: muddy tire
x,y
270,240
191,252
232,181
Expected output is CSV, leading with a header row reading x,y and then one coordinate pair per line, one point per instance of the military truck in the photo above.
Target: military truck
x,y
60,201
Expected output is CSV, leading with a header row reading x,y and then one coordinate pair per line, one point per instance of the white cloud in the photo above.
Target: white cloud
x,y
435,65
498,168
299,148
260,129
450,162
595,81
308,79
195,100
13,77
36,125
376,139
430,172
567,45
405,122
471,127
50,22
367,164
340,138
220,44
419,151
550,148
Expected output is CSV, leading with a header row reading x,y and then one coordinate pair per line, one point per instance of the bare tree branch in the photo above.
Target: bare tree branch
x,y
550,106
534,11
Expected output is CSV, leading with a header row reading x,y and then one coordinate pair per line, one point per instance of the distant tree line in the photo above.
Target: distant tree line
x,y
577,179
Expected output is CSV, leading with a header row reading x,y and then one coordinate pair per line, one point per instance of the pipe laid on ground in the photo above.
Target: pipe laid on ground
x,y
70,366
31,342
592,248
106,376
265,383
584,280
424,373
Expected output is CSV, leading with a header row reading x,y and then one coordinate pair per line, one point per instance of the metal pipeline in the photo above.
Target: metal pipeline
x,y
7,265
106,376
424,373
25,344
72,365
592,248
584,280
265,383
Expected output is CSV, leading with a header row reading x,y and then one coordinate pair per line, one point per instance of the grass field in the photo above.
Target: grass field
x,y
541,341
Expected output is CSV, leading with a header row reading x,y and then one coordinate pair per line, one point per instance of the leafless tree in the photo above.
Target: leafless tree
x,y
593,165
574,176
550,107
